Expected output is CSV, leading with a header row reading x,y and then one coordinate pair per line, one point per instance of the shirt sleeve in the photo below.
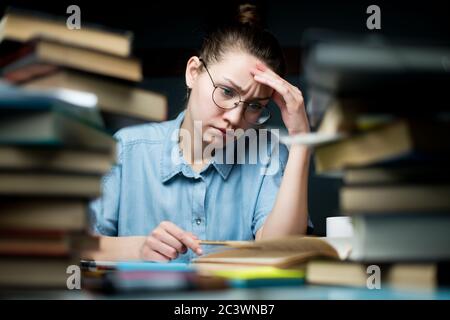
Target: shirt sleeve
x,y
272,177
104,211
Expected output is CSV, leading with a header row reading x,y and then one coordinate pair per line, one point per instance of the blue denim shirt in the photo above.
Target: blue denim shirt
x,y
152,182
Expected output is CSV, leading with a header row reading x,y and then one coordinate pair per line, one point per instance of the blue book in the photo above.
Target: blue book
x,y
78,104
260,283
50,119
154,266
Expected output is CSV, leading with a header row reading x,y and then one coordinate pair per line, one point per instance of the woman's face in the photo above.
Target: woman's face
x,y
233,71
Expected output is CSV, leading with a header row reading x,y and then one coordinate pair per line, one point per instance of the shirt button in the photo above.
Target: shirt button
x,y
198,221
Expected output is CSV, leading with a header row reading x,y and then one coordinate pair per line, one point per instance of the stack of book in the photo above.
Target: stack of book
x,y
133,276
38,51
266,263
387,106
324,261
53,154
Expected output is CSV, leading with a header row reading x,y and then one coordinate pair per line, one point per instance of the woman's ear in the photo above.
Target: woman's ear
x,y
192,71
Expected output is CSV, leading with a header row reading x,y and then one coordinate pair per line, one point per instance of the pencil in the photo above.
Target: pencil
x,y
230,243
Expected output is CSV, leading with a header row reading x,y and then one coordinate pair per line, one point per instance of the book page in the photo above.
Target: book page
x,y
281,251
343,246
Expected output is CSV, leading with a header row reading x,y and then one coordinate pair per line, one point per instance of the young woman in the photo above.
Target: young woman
x,y
170,188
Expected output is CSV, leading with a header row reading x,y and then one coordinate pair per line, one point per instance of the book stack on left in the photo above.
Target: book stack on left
x,y
39,52
53,153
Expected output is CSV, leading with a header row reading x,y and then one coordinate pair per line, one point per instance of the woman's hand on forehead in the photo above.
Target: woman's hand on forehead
x,y
288,97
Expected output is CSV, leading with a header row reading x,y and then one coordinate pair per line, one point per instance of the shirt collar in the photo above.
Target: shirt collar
x,y
172,162
219,162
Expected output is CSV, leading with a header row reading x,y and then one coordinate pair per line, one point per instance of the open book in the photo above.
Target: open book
x,y
280,252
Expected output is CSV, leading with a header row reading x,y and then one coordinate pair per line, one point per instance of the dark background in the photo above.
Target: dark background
x,y
167,33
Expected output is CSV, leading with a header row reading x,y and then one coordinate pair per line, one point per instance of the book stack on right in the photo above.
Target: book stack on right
x,y
386,107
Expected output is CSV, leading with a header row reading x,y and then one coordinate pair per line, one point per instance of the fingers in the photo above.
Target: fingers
x,y
289,98
167,241
279,101
261,66
163,236
161,248
278,85
262,69
291,95
193,235
182,236
149,254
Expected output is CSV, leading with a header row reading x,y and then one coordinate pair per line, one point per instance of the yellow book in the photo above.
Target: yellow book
x,y
284,252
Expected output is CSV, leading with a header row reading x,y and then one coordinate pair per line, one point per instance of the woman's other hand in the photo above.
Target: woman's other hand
x,y
167,241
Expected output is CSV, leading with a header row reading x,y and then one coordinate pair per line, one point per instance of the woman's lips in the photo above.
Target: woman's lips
x,y
225,132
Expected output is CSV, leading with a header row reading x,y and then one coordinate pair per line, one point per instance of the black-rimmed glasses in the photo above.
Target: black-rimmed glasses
x,y
229,98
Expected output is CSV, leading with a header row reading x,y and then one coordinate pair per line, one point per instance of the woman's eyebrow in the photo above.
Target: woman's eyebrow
x,y
241,90
234,84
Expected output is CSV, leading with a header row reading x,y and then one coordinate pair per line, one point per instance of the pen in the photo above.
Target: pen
x,y
230,243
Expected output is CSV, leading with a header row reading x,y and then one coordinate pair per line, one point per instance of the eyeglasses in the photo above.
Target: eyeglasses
x,y
228,98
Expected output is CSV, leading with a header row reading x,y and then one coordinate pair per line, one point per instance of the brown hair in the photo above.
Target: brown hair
x,y
246,33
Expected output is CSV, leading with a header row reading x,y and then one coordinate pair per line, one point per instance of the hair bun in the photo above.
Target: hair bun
x,y
248,15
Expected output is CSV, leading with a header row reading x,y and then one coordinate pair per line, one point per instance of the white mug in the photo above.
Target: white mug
x,y
338,227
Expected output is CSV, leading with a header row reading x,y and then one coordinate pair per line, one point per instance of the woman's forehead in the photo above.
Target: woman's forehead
x,y
237,61
235,67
